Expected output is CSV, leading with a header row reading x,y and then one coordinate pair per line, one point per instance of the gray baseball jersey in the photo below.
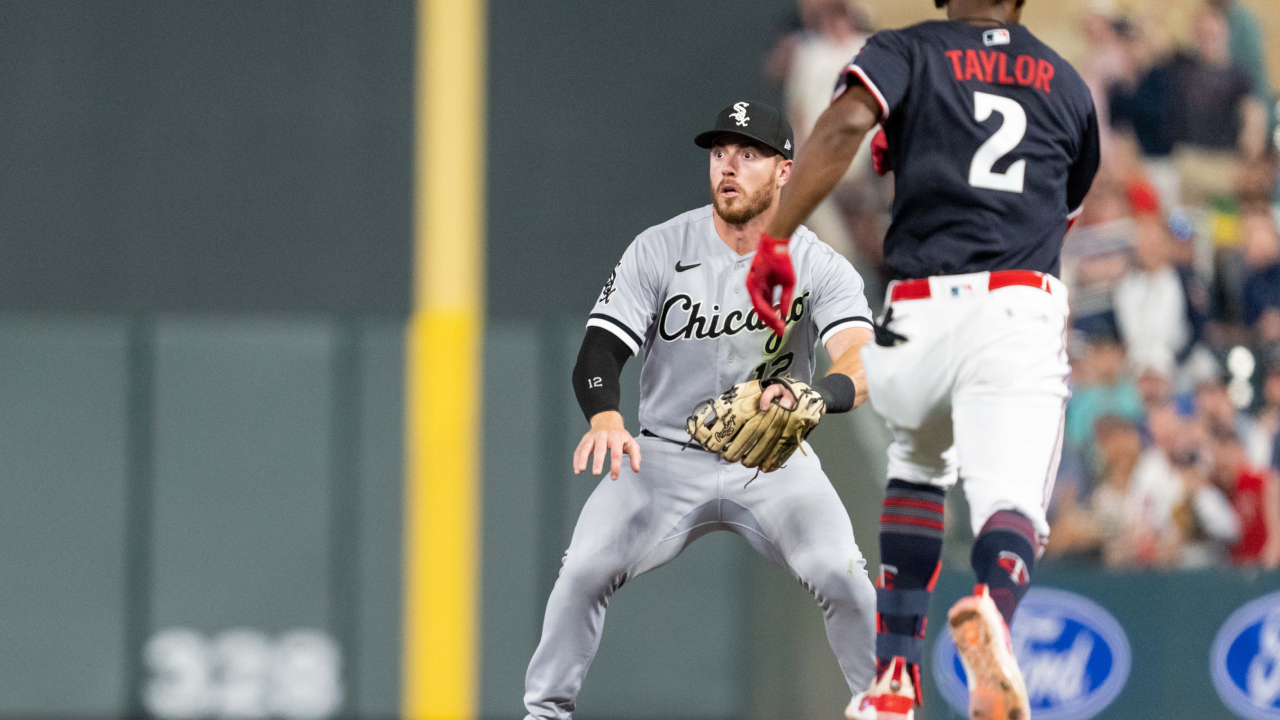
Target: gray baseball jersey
x,y
680,294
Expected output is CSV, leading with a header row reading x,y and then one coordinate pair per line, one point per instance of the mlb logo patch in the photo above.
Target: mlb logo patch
x,y
999,36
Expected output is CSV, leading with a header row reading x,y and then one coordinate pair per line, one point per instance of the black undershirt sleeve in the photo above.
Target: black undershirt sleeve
x,y
597,374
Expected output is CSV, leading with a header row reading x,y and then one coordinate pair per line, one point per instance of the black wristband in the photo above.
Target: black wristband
x,y
838,392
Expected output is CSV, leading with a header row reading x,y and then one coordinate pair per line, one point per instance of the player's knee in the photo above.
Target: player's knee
x,y
592,574
836,576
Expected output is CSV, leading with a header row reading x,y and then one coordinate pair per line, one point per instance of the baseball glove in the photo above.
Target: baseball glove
x,y
734,427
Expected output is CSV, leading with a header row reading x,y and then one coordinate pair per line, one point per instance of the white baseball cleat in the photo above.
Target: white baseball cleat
x,y
996,688
891,697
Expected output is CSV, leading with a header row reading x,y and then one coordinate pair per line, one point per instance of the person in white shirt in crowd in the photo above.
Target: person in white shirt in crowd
x,y
1150,305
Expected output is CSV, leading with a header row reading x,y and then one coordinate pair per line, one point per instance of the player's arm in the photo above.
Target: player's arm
x,y
845,386
845,348
825,157
597,384
1253,134
1085,168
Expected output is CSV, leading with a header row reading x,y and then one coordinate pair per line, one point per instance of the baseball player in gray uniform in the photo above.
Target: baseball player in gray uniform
x,y
679,295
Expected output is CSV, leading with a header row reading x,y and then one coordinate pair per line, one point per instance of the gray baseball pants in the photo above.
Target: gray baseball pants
x,y
644,520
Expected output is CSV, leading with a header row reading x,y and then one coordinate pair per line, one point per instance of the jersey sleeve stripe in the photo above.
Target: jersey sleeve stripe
x,y
844,323
624,333
862,75
1075,213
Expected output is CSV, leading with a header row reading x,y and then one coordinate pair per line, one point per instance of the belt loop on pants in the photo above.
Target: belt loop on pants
x,y
919,288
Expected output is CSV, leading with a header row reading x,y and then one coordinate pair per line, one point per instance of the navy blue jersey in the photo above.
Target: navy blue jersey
x,y
993,139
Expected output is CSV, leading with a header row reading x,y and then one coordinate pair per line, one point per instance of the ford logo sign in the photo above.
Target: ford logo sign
x,y
1245,660
1073,654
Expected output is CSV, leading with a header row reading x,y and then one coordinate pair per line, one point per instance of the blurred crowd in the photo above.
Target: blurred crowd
x,y
1170,452
1171,447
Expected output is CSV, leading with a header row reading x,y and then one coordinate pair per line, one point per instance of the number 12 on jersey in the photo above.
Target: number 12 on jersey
x,y
1006,139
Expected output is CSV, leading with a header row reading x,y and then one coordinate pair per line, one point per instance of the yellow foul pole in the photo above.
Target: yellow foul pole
x,y
442,424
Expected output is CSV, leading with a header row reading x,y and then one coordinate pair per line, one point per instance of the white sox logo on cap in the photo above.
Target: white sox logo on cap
x,y
740,114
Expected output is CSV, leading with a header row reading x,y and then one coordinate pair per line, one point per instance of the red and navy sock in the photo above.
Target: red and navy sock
x,y
1004,555
911,528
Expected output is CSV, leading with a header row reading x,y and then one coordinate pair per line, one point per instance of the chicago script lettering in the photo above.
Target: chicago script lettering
x,y
682,319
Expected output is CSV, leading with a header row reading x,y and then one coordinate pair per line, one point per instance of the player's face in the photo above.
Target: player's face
x,y
745,180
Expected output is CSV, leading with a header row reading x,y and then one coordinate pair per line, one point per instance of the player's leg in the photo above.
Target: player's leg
x,y
620,534
910,386
794,517
922,466
1008,414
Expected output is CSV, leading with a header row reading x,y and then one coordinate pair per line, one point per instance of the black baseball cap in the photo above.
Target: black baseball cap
x,y
754,120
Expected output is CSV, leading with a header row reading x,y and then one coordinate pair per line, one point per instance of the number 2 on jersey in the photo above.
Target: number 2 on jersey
x,y
1006,139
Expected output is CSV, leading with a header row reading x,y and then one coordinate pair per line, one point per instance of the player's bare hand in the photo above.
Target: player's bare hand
x,y
607,434
774,392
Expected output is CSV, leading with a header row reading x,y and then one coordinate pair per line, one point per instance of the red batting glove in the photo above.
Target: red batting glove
x,y
770,269
880,159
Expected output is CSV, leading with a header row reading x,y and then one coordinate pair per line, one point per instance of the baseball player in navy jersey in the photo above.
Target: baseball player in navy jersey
x,y
678,297
993,140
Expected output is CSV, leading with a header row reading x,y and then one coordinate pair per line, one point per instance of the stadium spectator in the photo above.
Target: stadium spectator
x,y
1259,444
1133,505
1246,46
1216,414
1101,389
1261,301
1150,302
1216,122
1105,61
1248,491
848,220
1206,522
1139,103
819,57
1194,288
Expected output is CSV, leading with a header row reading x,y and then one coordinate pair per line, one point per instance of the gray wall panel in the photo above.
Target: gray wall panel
x,y
227,155
241,475
62,516
511,605
381,514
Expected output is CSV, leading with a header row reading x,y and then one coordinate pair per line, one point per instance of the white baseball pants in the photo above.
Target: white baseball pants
x,y
978,390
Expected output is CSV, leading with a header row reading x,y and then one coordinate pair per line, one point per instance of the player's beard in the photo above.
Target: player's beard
x,y
744,208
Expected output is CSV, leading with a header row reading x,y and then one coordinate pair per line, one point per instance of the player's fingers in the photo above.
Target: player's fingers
x,y
615,456
601,445
581,453
632,450
769,394
789,399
